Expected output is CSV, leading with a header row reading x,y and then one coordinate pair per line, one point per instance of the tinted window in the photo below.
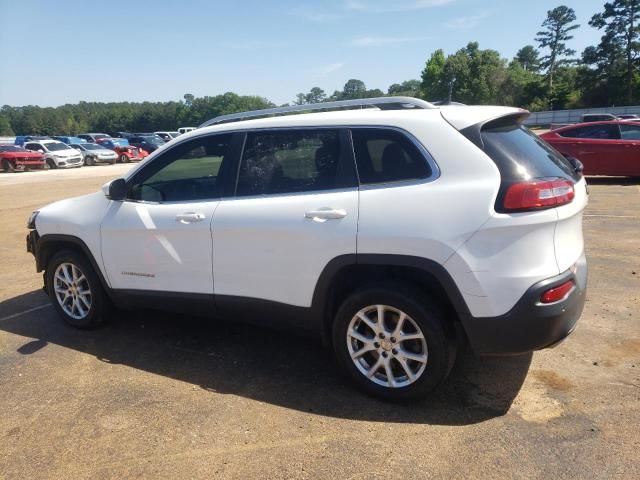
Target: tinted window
x,y
630,132
521,155
292,161
602,132
33,146
384,155
191,171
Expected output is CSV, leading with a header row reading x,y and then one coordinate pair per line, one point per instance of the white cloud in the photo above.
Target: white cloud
x,y
332,67
379,6
314,15
461,23
374,41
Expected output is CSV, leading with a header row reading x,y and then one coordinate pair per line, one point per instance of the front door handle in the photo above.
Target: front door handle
x,y
190,217
326,214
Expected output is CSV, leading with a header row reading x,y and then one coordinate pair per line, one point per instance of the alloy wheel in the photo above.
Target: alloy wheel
x,y
387,346
72,290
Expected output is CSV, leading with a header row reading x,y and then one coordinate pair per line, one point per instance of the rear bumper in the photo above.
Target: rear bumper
x,y
531,325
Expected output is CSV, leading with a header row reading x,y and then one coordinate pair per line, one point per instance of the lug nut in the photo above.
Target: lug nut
x,y
376,344
393,339
394,351
381,335
385,354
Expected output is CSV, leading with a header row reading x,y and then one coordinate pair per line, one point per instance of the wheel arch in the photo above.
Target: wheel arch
x,y
49,244
346,273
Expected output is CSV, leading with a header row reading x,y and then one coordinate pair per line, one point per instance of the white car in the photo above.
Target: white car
x,y
393,233
93,153
167,136
182,130
56,154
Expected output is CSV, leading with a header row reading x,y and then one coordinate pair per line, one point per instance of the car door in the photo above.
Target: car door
x,y
595,145
295,210
629,160
159,237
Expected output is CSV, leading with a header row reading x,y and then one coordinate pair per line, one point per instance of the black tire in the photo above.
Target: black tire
x,y
426,315
100,306
112,162
7,166
124,158
52,164
89,161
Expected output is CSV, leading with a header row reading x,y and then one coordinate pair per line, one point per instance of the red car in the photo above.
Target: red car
x,y
604,148
126,153
13,157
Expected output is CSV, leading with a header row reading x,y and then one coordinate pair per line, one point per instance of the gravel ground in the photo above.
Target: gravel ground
x,y
165,396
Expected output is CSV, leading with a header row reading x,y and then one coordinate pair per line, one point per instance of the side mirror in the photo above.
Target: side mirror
x,y
576,164
117,190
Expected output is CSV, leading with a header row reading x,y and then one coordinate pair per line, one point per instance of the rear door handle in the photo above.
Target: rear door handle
x,y
190,217
326,214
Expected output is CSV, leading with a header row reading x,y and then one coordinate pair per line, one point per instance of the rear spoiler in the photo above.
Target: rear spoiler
x,y
474,132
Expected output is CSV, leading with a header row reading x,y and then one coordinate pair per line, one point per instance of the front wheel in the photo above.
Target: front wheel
x,y
392,342
124,158
89,161
75,290
7,166
51,163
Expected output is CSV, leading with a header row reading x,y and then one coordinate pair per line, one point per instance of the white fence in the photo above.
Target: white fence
x,y
575,116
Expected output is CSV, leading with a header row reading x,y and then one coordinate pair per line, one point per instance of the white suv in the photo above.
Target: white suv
x,y
56,154
393,233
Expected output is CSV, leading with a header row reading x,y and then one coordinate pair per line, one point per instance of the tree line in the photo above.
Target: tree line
x,y
549,75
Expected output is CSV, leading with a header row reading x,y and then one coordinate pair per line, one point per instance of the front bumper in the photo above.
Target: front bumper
x,y
531,325
32,245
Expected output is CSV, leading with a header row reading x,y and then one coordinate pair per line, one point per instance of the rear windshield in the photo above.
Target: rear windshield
x,y
520,155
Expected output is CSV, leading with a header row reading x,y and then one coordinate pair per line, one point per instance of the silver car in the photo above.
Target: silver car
x,y
93,153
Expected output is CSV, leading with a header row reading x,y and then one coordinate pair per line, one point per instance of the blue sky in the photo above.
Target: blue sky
x,y
65,51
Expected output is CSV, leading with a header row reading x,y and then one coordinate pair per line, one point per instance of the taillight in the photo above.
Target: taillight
x,y
557,293
538,194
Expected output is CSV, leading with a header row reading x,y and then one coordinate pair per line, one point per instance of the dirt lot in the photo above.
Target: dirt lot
x,y
174,397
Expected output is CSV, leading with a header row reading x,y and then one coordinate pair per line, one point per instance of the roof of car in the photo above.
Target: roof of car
x,y
588,124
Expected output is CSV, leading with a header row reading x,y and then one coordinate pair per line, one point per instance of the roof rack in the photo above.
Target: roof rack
x,y
383,103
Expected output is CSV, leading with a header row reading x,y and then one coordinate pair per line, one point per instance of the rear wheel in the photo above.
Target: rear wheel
x,y
75,290
124,158
7,166
392,342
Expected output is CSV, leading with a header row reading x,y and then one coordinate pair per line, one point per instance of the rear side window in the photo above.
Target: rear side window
x,y
276,162
602,132
521,155
384,155
630,132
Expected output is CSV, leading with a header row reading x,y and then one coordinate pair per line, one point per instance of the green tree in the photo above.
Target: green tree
x,y
315,95
621,23
5,127
188,99
529,58
557,31
434,85
354,89
410,88
478,74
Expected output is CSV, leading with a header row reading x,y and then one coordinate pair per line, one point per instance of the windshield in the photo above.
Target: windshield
x,y
55,146
100,135
11,148
174,134
155,140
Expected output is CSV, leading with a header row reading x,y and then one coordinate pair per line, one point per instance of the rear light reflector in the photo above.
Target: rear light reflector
x,y
538,194
557,293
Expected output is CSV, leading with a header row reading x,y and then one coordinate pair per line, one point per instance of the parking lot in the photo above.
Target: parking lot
x,y
167,396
